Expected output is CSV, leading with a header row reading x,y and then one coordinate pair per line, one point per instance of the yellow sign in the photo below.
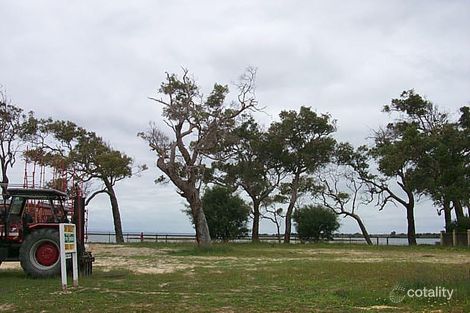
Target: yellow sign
x,y
69,239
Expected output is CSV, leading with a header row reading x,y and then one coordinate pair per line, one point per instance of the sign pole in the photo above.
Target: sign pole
x,y
75,270
63,267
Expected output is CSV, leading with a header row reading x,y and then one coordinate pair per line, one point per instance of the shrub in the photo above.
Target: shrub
x,y
226,213
314,223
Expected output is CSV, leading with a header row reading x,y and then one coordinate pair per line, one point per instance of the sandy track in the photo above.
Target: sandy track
x,y
141,260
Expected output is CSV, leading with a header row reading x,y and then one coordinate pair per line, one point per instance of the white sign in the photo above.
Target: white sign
x,y
68,246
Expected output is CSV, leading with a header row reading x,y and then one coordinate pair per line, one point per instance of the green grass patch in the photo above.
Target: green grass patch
x,y
251,278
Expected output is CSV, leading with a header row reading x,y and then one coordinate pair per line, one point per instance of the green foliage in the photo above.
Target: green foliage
x,y
252,166
226,214
314,223
93,157
427,151
65,145
301,141
301,144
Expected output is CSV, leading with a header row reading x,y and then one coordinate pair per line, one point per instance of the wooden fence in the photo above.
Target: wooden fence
x,y
109,237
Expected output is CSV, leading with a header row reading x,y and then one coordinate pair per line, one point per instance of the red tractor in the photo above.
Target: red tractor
x,y
29,230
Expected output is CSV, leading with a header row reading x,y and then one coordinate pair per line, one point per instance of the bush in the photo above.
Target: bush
x,y
315,223
226,214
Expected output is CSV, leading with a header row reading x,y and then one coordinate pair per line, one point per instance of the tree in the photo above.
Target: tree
x,y
197,125
443,170
341,188
65,146
302,143
226,214
96,160
250,166
400,147
315,223
15,128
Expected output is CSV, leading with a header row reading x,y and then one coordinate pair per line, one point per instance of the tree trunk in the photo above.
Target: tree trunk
x,y
409,206
458,210
362,227
447,214
116,213
256,219
411,225
290,208
191,194
4,182
203,236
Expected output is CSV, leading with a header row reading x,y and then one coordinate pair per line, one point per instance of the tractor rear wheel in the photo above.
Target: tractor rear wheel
x,y
40,253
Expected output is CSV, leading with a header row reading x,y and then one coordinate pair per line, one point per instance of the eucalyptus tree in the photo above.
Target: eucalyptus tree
x,y
196,124
96,160
249,165
302,144
399,150
444,168
65,146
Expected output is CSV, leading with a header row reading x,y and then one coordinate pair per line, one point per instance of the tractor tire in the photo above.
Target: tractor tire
x,y
40,253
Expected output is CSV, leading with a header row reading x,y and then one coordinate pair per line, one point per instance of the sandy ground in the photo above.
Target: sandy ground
x,y
154,261
158,261
7,307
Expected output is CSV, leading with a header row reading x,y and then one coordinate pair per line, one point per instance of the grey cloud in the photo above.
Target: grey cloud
x,y
97,62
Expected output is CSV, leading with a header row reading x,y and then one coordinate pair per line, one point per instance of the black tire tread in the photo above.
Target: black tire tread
x,y
29,268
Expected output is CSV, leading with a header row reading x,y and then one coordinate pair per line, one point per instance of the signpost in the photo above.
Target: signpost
x,y
68,247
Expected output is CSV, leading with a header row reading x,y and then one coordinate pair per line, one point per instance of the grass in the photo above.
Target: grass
x,y
251,278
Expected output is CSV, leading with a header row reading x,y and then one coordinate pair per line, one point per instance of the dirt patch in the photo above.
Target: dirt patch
x,y
360,256
140,266
7,307
138,260
122,250
378,307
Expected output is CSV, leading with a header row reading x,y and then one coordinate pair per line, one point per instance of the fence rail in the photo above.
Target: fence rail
x,y
109,237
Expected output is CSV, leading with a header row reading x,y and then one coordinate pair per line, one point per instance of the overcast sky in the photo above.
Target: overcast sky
x,y
97,62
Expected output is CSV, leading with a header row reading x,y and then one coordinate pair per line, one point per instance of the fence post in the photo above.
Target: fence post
x,y
443,243
468,237
156,237
387,241
166,238
377,240
454,237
